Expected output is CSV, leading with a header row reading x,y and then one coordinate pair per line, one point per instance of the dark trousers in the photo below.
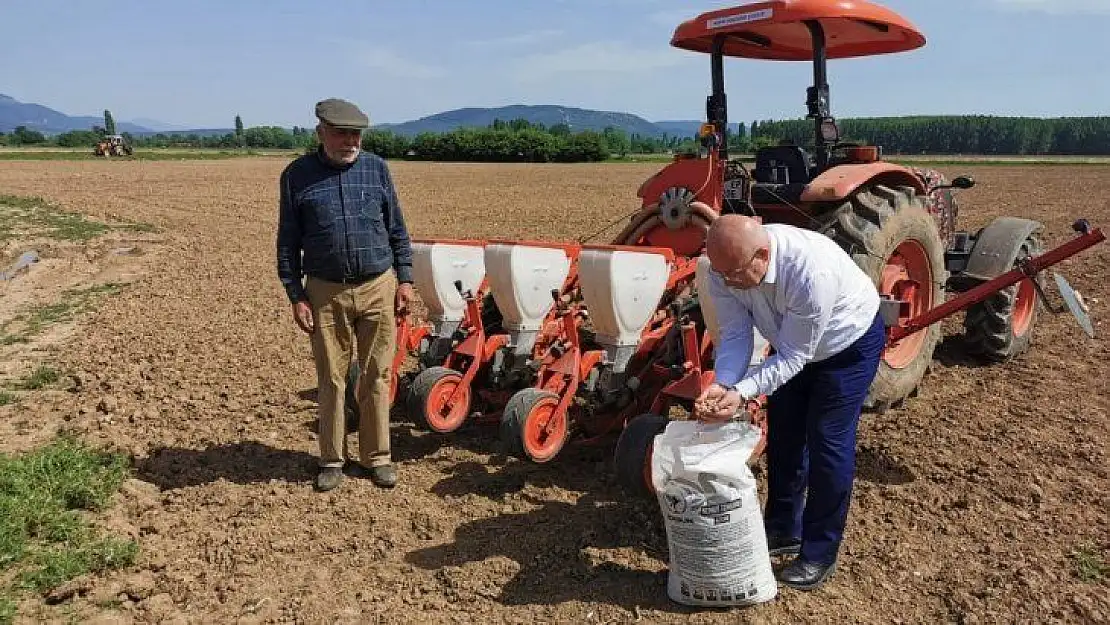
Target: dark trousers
x,y
811,441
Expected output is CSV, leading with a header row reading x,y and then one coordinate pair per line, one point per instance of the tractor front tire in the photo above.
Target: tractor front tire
x,y
1001,326
893,238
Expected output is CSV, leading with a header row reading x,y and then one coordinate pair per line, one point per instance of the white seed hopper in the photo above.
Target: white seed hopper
x,y
709,313
621,288
521,279
436,266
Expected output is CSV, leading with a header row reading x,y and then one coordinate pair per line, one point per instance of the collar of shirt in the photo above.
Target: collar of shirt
x,y
772,261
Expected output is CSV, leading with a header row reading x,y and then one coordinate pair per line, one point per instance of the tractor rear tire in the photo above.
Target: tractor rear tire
x,y
1001,326
632,456
883,227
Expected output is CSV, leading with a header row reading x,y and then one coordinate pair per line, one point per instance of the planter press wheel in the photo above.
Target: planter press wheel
x,y
632,456
427,401
894,239
1001,326
532,427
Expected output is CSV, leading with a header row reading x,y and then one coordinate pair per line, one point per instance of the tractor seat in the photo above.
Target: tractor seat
x,y
783,165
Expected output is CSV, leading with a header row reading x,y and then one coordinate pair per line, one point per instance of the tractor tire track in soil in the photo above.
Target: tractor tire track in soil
x,y
969,503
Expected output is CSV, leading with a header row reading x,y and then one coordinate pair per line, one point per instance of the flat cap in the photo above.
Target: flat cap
x,y
341,114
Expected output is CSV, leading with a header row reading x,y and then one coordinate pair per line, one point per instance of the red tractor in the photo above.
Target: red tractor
x,y
897,222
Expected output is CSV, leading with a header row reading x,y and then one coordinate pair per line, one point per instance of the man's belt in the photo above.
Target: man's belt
x,y
350,280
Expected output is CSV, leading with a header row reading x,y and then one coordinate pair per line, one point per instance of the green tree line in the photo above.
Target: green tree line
x,y
521,141
969,134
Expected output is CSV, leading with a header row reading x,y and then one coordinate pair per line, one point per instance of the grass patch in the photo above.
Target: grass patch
x,y
7,398
57,566
45,539
1089,563
139,228
7,610
36,319
34,216
42,377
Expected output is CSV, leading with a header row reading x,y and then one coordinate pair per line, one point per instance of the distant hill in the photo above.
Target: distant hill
x,y
14,113
549,115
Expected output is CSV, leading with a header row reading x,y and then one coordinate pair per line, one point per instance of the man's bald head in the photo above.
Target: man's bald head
x,y
738,248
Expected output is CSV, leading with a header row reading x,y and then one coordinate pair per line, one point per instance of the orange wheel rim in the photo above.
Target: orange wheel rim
x,y
908,263
1025,300
545,428
439,416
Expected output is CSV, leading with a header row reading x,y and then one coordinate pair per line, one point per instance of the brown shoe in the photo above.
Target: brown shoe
x,y
328,478
384,476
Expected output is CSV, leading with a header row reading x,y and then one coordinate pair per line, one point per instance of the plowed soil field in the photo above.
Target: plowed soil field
x,y
983,499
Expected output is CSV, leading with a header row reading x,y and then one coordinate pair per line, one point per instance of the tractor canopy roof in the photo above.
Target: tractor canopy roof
x,y
776,30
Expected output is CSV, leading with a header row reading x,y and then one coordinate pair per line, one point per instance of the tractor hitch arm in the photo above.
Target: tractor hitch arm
x,y
1027,268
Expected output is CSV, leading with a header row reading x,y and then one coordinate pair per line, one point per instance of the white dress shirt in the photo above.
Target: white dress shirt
x,y
813,303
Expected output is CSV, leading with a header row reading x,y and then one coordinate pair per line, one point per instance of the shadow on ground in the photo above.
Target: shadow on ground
x,y
241,463
593,549
952,351
879,467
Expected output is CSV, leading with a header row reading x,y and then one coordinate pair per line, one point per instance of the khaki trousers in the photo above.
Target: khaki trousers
x,y
363,312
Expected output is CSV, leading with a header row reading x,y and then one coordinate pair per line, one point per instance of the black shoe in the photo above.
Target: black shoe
x,y
803,575
328,478
780,545
383,476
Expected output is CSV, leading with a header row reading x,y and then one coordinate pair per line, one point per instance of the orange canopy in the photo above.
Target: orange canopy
x,y
776,30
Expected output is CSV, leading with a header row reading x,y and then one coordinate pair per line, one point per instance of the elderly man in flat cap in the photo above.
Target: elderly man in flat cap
x,y
339,209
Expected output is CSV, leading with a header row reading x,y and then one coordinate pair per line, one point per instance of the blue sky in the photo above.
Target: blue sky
x,y
199,63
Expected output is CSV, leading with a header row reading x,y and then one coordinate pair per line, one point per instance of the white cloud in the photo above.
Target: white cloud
x,y
1058,7
601,57
387,61
674,17
522,39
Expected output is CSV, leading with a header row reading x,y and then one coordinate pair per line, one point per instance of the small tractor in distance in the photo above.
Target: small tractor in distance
x,y
628,336
113,145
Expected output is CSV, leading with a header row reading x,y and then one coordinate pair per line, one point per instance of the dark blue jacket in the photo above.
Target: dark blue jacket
x,y
346,221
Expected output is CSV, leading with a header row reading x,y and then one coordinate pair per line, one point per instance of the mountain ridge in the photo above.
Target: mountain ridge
x,y
15,113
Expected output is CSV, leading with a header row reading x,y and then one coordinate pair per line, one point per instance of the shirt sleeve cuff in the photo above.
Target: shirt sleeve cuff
x,y
404,273
296,295
747,388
